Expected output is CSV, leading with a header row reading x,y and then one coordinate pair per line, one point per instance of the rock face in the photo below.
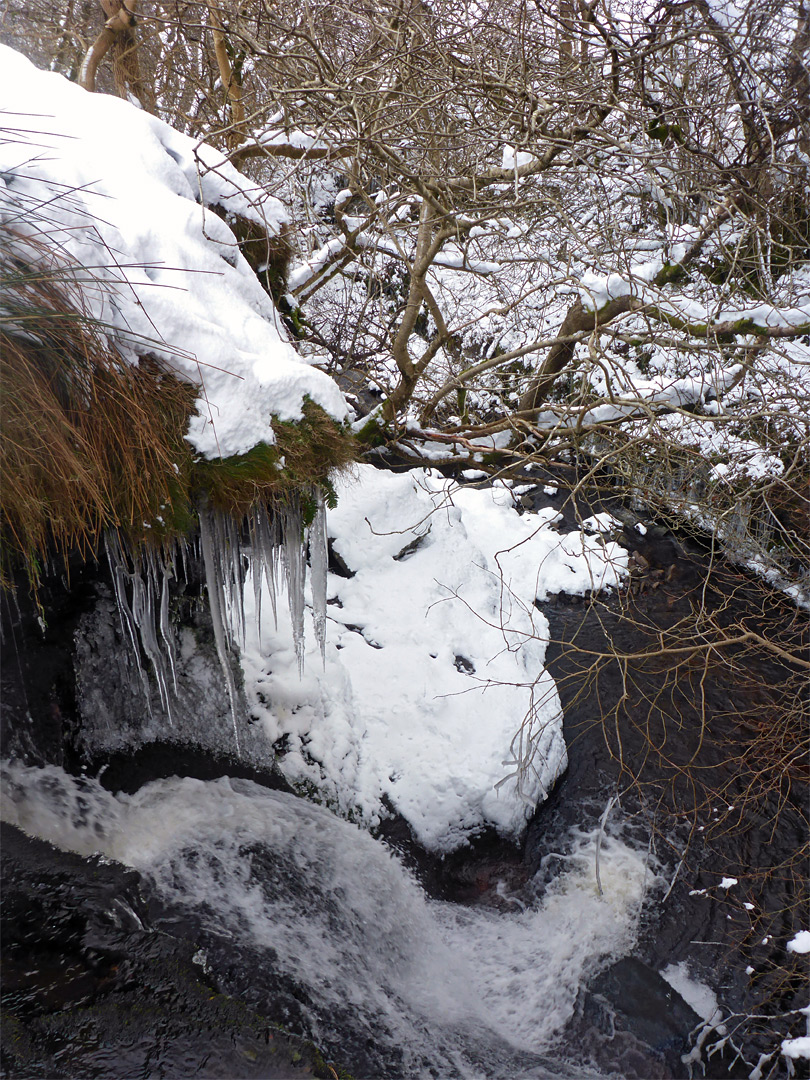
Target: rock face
x,y
634,1023
98,980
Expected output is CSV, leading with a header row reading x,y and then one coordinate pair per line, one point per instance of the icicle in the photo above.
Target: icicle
x,y
184,558
214,584
256,575
120,573
144,589
165,629
265,556
318,559
141,585
295,567
236,614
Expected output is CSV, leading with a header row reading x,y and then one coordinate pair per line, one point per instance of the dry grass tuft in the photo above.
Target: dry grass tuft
x,y
92,442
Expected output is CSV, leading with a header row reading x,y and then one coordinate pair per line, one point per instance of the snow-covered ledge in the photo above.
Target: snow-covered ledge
x,y
118,192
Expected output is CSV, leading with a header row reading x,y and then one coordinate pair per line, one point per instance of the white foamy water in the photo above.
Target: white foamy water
x,y
460,990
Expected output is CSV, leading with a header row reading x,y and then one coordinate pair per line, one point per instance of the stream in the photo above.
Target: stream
x,y
308,918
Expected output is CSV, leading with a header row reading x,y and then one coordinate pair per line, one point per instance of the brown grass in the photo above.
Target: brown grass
x,y
92,442
89,440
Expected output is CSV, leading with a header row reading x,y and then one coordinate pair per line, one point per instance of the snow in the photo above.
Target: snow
x,y
596,290
515,159
115,190
431,696
696,994
797,1048
800,943
294,139
602,522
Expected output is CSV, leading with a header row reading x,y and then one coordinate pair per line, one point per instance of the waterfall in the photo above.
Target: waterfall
x,y
310,919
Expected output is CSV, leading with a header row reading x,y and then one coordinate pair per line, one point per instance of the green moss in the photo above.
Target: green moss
x,y
306,452
294,318
663,132
373,432
669,273
267,255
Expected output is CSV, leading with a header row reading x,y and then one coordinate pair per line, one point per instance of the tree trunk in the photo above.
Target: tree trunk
x,y
561,354
119,37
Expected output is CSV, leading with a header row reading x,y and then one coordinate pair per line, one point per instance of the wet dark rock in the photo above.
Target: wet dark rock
x,y
39,718
128,771
631,1022
336,563
95,985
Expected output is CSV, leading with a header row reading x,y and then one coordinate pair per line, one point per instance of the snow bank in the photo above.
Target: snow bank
x,y
121,193
433,671
597,290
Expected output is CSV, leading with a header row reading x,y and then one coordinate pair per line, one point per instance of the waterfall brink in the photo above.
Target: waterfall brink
x,y
269,543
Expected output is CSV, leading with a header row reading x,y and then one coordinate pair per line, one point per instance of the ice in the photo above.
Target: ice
x,y
295,569
265,555
144,576
165,629
696,994
275,536
214,573
318,556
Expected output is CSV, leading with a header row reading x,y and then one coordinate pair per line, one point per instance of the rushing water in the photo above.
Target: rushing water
x,y
303,913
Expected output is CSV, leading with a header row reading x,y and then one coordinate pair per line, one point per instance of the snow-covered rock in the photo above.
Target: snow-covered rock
x,y
433,697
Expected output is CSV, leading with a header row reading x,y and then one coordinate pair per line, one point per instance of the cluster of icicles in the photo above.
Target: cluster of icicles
x,y
276,546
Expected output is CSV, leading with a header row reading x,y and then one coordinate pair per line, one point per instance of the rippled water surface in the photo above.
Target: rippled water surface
x,y
303,914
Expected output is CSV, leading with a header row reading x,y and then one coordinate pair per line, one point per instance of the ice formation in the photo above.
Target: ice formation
x,y
272,543
141,586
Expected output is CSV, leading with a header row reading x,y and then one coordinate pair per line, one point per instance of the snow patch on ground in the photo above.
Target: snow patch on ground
x,y
800,943
797,1048
696,994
